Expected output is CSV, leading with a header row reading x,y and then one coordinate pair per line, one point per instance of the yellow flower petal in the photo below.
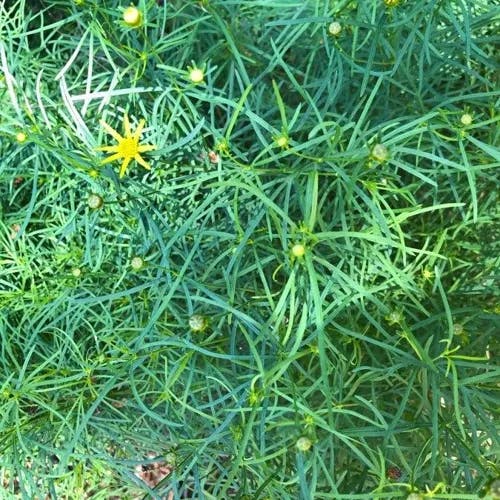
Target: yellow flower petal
x,y
111,158
111,131
138,130
108,149
126,126
124,166
140,161
146,147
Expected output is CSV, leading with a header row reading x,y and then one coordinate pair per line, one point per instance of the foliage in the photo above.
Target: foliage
x,y
300,299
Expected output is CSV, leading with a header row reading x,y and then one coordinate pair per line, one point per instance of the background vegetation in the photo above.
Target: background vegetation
x,y
299,300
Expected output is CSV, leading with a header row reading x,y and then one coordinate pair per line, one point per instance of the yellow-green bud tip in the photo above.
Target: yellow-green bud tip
x,y
198,323
466,119
334,28
196,75
414,496
427,274
132,17
21,137
380,153
95,201
76,272
282,141
298,250
137,263
303,444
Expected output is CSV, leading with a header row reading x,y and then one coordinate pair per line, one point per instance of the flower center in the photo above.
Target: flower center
x,y
128,147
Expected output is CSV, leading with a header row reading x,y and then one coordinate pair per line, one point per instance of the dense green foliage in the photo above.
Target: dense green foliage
x,y
299,299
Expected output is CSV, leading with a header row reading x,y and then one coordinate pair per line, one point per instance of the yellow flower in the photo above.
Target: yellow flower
x,y
128,147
